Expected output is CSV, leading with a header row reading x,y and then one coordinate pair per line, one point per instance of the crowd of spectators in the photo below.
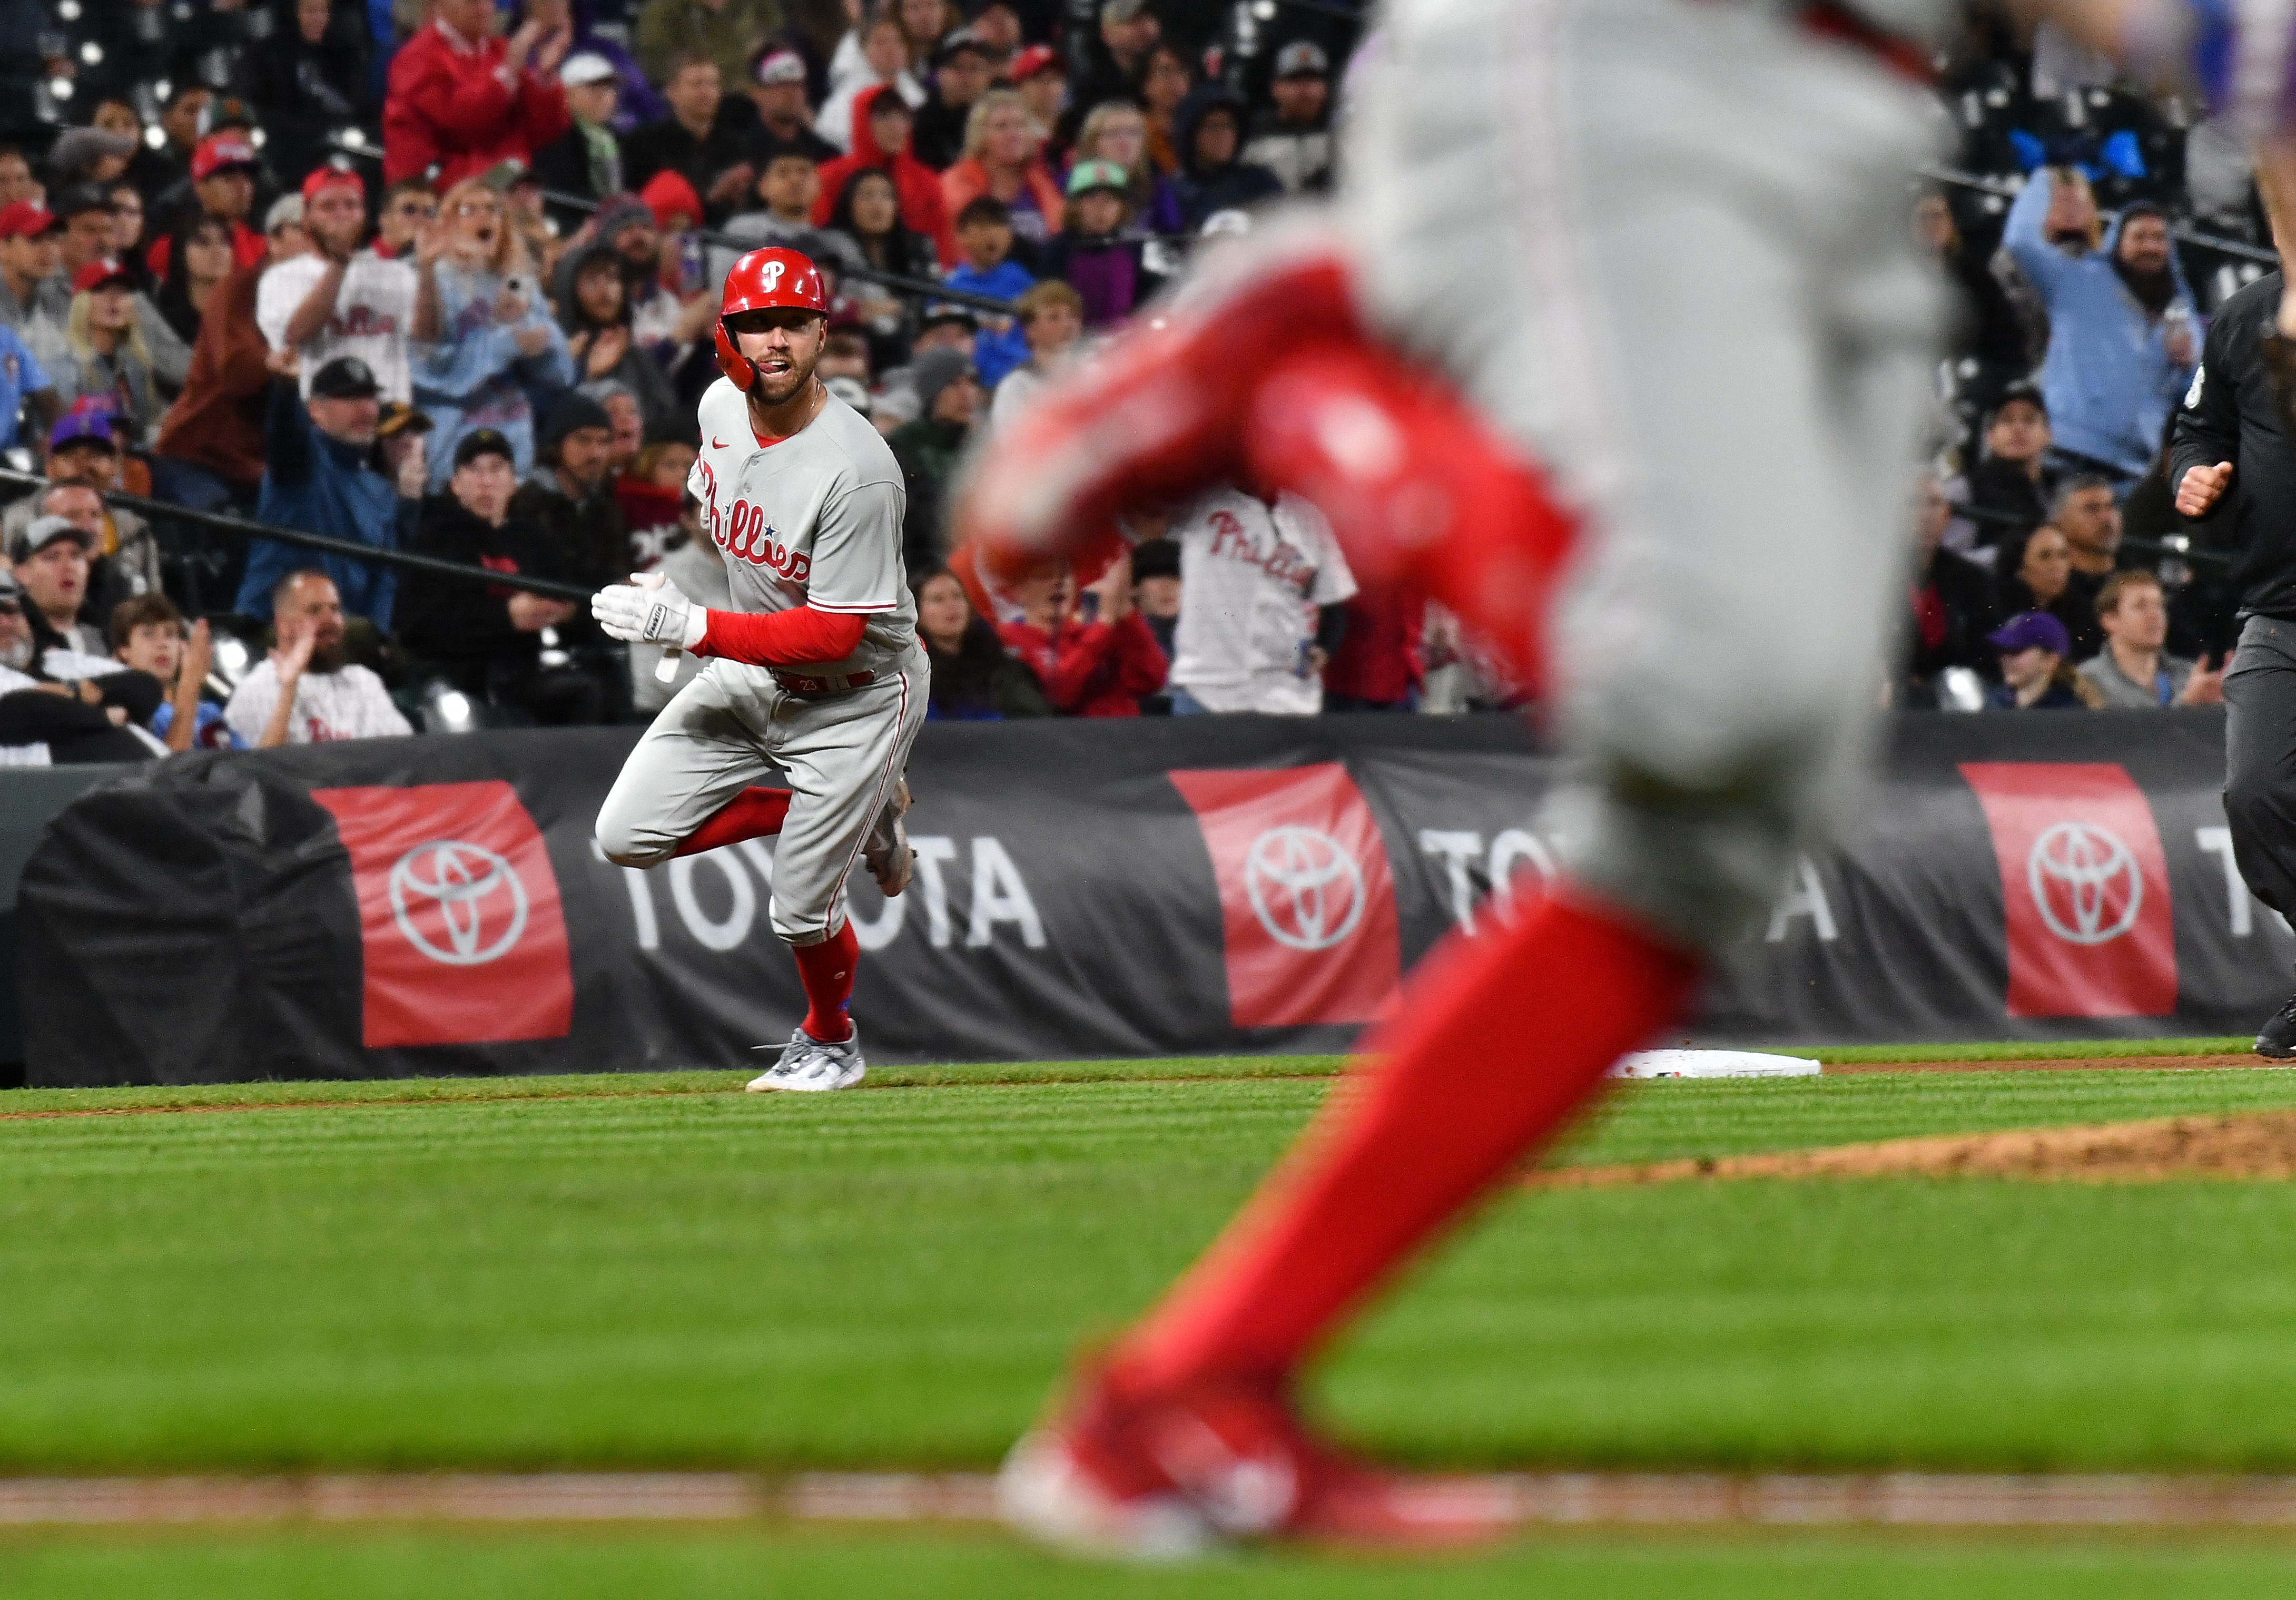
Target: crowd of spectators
x,y
2088,229
439,277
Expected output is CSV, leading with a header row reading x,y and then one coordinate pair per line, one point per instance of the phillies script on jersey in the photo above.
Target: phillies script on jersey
x,y
744,534
1284,563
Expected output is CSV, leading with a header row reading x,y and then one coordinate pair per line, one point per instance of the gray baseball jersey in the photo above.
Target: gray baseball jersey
x,y
811,520
1663,246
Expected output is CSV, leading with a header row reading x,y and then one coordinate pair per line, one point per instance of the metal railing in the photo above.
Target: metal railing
x,y
245,528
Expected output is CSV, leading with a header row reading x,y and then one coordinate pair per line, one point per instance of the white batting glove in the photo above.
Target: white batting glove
x,y
650,610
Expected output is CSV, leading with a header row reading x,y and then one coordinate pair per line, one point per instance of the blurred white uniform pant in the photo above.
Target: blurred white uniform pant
x,y
1664,244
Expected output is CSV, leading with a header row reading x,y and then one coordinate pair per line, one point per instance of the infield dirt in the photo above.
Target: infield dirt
x,y
2254,1145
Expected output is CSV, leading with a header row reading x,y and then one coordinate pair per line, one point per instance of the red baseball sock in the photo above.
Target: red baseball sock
x,y
826,970
1500,1037
752,814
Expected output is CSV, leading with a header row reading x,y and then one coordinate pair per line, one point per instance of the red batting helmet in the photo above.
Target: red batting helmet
x,y
759,281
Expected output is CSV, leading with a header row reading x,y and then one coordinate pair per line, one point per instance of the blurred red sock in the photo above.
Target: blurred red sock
x,y
1499,1037
826,970
752,814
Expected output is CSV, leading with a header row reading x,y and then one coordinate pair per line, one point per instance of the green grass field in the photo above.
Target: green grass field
x,y
661,1272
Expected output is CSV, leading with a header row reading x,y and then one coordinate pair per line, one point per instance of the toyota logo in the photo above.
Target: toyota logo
x,y
475,902
1305,888
2086,884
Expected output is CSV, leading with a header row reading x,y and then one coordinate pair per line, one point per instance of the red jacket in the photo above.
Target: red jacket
x,y
1097,669
1378,658
917,184
217,422
448,103
968,181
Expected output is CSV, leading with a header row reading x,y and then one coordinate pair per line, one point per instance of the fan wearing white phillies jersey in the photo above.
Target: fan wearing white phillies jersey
x,y
1263,594
815,669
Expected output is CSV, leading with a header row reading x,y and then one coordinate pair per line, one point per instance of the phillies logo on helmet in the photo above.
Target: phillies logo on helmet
x,y
775,276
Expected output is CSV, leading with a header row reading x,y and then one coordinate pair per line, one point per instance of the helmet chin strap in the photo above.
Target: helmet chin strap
x,y
733,363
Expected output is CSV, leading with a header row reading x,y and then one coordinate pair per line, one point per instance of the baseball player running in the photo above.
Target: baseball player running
x,y
1604,274
815,669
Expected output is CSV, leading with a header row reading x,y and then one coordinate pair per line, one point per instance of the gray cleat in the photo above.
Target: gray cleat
x,y
811,1066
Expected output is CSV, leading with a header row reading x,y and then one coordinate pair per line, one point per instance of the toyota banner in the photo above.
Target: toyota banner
x,y
422,907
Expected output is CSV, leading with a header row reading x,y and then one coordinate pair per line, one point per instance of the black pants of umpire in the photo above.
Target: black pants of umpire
x,y
2260,759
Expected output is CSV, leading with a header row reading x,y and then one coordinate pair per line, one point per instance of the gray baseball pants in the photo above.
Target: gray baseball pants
x,y
1664,245
725,730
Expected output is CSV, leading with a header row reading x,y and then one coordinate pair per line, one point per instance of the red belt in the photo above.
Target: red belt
x,y
1834,19
800,684
1905,57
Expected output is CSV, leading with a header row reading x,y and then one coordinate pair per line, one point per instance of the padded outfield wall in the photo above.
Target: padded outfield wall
x,y
419,907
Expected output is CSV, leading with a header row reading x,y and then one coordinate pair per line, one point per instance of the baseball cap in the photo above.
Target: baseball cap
x,y
1034,59
2030,393
345,378
221,152
97,274
946,314
2028,628
780,66
483,441
1088,176
956,44
329,177
586,67
226,111
851,390
1302,58
97,423
398,417
26,220
81,199
286,209
44,531
1122,11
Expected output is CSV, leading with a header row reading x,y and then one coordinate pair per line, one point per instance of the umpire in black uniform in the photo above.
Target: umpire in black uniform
x,y
2231,466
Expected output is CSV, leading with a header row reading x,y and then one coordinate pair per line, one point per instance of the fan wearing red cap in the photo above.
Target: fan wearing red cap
x,y
222,177
30,243
102,355
1042,80
342,298
817,666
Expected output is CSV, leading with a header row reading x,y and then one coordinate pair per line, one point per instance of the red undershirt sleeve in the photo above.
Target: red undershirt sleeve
x,y
793,639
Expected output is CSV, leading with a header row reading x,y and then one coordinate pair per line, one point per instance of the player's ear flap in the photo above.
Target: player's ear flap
x,y
735,364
